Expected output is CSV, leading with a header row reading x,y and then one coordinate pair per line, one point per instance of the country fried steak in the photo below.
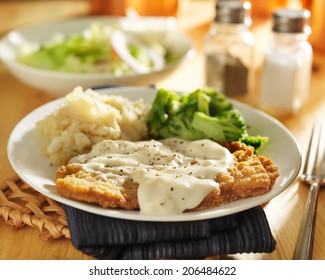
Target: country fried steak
x,y
251,175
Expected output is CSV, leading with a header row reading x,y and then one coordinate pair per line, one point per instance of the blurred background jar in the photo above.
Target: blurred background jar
x,y
265,8
140,7
317,22
229,49
287,63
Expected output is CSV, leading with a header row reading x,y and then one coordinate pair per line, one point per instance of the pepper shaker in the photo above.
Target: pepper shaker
x,y
287,63
229,49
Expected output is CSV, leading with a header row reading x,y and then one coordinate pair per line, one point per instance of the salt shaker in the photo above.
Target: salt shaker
x,y
229,49
287,63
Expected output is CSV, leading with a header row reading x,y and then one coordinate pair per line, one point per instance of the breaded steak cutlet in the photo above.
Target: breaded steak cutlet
x,y
250,176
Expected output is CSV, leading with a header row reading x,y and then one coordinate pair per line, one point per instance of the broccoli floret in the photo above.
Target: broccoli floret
x,y
165,105
218,102
255,141
228,126
202,114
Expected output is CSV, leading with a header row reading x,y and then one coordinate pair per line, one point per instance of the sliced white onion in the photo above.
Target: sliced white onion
x,y
120,40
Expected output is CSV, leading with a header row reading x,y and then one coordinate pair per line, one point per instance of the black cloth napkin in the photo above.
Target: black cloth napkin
x,y
111,238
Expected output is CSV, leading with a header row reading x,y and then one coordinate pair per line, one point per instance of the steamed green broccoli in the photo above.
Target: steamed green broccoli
x,y
227,126
201,114
255,141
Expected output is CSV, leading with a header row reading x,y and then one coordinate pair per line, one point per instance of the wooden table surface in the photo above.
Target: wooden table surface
x,y
16,99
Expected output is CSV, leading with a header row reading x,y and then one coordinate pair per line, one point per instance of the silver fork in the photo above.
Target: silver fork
x,y
313,175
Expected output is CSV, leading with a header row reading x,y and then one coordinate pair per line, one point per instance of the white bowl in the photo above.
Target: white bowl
x,y
163,30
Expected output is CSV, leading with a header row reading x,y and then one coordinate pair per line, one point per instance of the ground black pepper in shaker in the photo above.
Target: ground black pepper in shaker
x,y
229,49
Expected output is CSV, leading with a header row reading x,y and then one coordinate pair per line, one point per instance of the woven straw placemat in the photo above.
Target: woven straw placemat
x,y
21,205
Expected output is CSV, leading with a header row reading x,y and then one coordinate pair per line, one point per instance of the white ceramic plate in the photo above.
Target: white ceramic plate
x,y
35,170
159,29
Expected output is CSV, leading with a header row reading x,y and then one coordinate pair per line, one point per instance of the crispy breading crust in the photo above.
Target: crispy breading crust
x,y
251,175
74,183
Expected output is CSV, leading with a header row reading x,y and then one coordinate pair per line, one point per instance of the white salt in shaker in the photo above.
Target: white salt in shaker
x,y
228,49
287,63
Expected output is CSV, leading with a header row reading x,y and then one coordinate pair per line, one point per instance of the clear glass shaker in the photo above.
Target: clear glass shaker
x,y
287,63
229,49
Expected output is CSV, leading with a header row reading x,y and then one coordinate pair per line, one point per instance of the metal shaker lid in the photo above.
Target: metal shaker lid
x,y
291,21
232,11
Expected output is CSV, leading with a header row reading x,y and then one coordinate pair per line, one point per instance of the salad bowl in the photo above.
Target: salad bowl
x,y
157,31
